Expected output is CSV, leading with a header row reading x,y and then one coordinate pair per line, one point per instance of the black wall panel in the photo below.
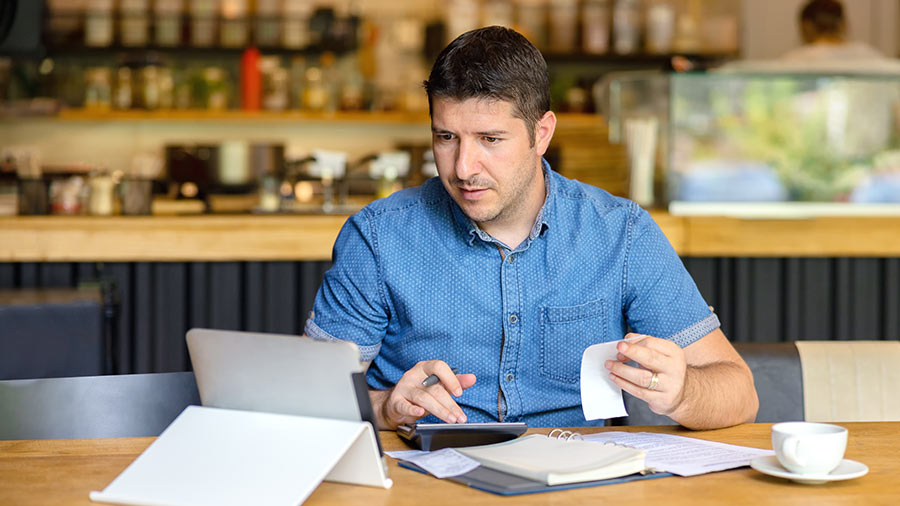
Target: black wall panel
x,y
757,299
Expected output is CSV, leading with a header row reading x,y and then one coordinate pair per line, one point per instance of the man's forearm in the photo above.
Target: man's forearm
x,y
720,394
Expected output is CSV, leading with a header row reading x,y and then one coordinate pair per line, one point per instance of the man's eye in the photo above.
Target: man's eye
x,y
445,137
491,140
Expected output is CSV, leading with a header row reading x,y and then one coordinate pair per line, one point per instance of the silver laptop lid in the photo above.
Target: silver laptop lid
x,y
275,373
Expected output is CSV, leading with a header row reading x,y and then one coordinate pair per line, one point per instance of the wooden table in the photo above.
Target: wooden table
x,y
65,471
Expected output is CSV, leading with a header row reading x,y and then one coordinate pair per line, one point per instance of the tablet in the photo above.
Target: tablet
x,y
434,436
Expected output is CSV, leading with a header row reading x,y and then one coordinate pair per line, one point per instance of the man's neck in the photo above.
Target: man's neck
x,y
515,229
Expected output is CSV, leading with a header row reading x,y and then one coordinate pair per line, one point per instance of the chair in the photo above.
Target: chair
x,y
131,405
47,333
817,381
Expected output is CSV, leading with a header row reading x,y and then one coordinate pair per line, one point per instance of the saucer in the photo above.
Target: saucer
x,y
846,470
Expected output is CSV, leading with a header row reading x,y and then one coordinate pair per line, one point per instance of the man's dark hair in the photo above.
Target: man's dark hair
x,y
495,63
825,16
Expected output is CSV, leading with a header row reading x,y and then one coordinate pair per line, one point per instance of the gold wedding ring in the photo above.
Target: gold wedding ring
x,y
654,382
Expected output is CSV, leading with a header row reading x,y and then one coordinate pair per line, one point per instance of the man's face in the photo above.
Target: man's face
x,y
486,161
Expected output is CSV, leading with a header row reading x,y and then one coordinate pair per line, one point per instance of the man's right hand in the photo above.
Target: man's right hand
x,y
409,400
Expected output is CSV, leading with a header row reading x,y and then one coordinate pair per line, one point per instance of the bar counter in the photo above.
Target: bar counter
x,y
310,237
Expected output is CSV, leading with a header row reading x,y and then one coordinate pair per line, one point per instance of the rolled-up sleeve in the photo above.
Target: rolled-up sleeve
x,y
350,302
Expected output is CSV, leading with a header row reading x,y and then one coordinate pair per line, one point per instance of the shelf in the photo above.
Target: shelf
x,y
383,117
310,237
636,60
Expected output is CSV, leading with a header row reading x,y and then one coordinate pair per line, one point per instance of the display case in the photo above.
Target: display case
x,y
764,143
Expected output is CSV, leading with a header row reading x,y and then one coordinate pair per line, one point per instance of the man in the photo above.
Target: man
x,y
823,29
507,271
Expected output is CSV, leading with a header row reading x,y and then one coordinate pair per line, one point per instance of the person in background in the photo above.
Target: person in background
x,y
508,271
823,28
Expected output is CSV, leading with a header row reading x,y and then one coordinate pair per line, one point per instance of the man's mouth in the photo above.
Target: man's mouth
x,y
472,193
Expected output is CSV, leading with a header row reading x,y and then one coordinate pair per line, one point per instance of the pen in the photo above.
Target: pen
x,y
433,379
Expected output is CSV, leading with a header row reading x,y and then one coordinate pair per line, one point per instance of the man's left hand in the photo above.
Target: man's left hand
x,y
660,379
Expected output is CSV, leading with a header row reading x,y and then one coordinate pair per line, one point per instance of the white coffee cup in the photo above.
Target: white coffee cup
x,y
809,448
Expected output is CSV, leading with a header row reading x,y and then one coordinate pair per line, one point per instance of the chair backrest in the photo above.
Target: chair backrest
x,y
132,405
778,377
51,333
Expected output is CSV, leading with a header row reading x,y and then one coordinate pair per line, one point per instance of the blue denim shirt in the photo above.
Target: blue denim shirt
x,y
415,279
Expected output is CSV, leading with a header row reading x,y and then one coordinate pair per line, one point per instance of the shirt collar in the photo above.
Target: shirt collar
x,y
541,222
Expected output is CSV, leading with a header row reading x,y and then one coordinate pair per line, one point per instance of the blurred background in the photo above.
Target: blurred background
x,y
189,162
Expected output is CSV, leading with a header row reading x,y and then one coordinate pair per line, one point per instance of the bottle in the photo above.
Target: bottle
x,y
251,82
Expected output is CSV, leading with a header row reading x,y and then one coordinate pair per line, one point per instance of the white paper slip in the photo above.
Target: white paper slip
x,y
443,463
404,454
684,456
600,397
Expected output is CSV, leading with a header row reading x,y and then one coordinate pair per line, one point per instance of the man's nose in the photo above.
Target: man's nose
x,y
466,160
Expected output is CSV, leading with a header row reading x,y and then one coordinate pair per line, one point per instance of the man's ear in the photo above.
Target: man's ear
x,y
544,132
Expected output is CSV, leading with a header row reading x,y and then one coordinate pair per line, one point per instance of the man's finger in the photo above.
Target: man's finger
x,y
640,377
446,376
647,357
438,402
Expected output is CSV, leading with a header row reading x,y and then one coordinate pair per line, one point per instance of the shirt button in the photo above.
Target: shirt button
x,y
513,318
509,376
511,259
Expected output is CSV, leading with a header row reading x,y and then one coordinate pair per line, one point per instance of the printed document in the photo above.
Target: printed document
x,y
684,456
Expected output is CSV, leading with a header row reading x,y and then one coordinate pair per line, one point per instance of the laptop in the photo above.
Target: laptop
x,y
283,374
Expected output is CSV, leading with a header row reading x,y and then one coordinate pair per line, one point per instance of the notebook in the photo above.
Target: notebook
x,y
556,461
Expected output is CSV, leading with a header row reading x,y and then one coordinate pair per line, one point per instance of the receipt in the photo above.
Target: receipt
x,y
441,463
600,397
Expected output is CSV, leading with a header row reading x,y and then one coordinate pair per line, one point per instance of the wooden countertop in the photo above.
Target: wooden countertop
x,y
310,237
65,471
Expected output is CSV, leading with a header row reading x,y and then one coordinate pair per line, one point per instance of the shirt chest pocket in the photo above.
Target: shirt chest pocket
x,y
565,333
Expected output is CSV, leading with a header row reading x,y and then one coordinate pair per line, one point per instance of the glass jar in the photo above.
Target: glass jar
x,y
497,13
595,28
97,91
627,26
98,23
460,16
135,22
274,84
216,88
102,194
124,89
268,23
149,87
660,33
203,22
531,20
234,23
295,32
168,22
563,25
